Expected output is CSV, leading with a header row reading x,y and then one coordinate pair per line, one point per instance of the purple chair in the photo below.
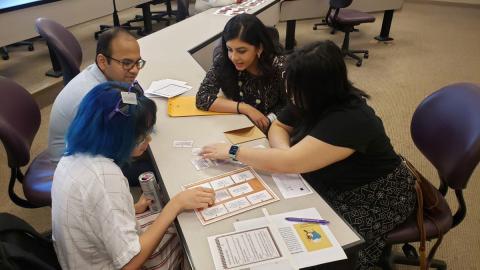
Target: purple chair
x,y
19,122
63,44
345,20
446,129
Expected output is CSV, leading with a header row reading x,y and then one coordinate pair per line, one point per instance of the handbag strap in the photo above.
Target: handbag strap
x,y
421,227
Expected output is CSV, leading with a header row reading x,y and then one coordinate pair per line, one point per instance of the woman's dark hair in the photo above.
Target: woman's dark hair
x,y
251,30
316,78
98,129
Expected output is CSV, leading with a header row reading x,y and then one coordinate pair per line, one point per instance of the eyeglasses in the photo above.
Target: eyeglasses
x,y
124,108
128,64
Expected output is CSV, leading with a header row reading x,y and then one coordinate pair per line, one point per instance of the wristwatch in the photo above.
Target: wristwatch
x,y
233,152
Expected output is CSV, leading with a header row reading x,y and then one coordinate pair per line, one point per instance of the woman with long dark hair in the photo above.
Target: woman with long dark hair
x,y
330,135
249,70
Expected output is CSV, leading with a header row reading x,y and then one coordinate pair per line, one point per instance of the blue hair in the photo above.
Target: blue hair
x,y
91,132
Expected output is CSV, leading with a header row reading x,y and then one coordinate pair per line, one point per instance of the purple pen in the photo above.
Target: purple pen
x,y
308,220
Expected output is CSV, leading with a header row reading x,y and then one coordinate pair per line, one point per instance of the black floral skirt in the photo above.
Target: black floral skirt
x,y
375,209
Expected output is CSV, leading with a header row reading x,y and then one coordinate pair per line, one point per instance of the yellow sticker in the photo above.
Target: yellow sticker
x,y
312,235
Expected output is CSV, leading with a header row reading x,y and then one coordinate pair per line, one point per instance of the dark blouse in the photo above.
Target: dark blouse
x,y
265,94
355,126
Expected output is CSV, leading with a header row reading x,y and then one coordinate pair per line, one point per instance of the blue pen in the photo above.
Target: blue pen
x,y
308,220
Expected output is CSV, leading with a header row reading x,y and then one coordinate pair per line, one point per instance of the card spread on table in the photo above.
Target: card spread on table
x,y
182,144
235,192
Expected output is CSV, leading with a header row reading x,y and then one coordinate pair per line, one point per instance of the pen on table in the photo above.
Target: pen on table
x,y
308,220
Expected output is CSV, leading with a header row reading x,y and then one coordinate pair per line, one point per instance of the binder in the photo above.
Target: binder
x,y
185,106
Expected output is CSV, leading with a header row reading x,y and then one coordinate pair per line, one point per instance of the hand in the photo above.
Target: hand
x,y
216,151
142,204
257,117
194,198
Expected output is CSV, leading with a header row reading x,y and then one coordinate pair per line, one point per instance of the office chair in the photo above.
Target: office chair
x,y
19,122
446,129
4,49
63,45
116,23
148,16
345,20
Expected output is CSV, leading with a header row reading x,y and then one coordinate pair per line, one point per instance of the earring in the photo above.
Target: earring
x,y
259,54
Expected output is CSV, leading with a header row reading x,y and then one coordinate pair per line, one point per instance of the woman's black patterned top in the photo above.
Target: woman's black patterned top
x,y
265,94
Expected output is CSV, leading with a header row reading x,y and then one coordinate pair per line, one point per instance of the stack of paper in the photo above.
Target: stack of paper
x,y
167,88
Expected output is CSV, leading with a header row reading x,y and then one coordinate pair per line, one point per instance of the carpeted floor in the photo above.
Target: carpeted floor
x,y
435,45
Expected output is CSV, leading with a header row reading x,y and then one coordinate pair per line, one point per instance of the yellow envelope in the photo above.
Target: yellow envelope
x,y
185,106
244,134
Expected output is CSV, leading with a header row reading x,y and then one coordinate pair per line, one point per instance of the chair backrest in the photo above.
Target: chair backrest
x,y
19,122
65,46
340,3
446,129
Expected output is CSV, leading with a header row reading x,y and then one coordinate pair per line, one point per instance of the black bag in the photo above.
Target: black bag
x,y
21,247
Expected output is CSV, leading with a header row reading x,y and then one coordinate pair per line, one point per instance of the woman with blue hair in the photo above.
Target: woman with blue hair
x,y
93,214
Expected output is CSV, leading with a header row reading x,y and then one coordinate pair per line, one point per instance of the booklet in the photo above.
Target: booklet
x,y
308,243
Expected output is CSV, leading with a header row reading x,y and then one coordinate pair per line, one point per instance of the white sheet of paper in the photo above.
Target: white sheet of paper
x,y
291,185
202,163
196,151
214,211
240,250
237,204
182,144
301,257
242,177
240,189
259,197
171,90
205,185
222,195
156,86
222,183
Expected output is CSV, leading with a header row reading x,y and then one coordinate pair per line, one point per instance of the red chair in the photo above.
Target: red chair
x,y
19,123
446,129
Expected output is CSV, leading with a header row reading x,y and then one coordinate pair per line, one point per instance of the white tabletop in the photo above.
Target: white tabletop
x,y
167,55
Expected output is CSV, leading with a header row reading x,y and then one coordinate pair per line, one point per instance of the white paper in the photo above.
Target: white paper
x,y
222,195
214,211
301,257
202,163
182,144
242,177
259,197
240,250
205,185
239,190
237,204
222,183
167,88
291,185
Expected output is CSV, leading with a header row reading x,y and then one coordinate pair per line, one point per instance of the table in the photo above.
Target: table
x,y
179,52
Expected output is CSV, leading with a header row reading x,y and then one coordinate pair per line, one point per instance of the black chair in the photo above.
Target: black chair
x,y
116,23
148,16
19,122
345,20
63,45
446,129
4,49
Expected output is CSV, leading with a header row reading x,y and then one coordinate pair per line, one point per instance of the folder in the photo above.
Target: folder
x,y
185,106
244,134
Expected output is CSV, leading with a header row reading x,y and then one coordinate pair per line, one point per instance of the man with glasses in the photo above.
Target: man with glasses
x,y
117,59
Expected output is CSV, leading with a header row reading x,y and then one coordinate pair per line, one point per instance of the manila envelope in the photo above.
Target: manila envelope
x,y
185,106
245,134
